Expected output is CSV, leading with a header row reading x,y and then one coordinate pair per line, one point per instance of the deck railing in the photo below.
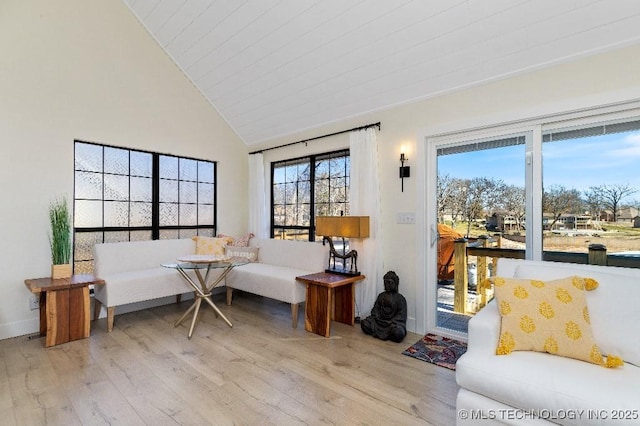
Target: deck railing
x,y
488,248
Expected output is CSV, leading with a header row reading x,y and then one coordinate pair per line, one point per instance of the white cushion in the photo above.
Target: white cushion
x,y
531,380
613,306
475,409
133,273
132,270
553,384
506,267
273,281
144,284
135,255
304,255
540,381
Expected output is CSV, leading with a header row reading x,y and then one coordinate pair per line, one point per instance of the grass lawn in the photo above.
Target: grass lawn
x,y
616,237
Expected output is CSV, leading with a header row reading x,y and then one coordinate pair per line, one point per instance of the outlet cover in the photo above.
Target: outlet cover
x,y
34,302
406,218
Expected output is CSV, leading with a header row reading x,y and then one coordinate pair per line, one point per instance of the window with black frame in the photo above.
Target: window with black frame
x,y
130,195
306,187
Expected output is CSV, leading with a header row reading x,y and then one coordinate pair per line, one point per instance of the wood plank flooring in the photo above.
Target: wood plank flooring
x,y
261,371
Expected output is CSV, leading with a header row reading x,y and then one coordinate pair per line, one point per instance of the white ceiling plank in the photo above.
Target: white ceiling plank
x,y
143,8
231,27
180,20
396,66
355,63
267,54
596,40
215,62
338,56
201,25
391,58
578,21
323,32
276,67
163,13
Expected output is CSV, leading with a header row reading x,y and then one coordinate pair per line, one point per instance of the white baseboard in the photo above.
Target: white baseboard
x,y
32,325
411,325
138,306
20,328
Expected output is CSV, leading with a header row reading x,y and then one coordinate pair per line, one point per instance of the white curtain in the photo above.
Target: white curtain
x,y
258,217
365,201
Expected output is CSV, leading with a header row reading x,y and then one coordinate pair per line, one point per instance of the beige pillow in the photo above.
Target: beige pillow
x,y
210,245
250,253
548,317
237,241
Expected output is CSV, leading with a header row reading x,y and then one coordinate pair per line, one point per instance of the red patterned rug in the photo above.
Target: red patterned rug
x,y
437,350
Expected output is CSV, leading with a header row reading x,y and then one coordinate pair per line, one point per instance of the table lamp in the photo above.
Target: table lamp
x,y
342,227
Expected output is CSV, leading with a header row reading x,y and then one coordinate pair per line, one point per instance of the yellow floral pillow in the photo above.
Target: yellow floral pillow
x,y
548,317
210,245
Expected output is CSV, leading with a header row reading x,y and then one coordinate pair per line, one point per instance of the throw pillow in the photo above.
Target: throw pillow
x,y
613,307
250,253
210,245
548,317
238,241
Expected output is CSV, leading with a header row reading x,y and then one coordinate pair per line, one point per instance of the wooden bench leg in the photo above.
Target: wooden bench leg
x,y
229,295
110,314
97,307
294,315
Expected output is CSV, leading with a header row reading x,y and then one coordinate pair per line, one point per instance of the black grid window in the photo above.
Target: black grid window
x,y
129,195
306,187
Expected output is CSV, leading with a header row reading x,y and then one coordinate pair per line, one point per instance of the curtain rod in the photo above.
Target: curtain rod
x,y
319,137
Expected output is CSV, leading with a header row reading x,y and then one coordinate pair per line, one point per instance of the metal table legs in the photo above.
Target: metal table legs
x,y
202,292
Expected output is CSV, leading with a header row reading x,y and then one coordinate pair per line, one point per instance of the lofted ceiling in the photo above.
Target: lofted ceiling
x,y
276,67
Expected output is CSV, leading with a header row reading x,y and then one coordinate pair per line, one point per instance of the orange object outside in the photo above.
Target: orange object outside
x,y
446,237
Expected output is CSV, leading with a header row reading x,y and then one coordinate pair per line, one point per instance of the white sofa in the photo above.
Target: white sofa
x,y
132,273
512,389
274,275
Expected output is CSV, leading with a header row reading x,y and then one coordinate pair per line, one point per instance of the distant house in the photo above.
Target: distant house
x,y
568,221
606,216
501,223
625,214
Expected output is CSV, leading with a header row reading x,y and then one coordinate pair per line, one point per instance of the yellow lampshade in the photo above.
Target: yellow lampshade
x,y
343,226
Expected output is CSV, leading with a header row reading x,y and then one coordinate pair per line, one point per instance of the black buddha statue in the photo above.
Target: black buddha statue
x,y
388,319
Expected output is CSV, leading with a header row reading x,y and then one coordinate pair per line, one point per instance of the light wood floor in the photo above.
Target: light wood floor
x,y
261,371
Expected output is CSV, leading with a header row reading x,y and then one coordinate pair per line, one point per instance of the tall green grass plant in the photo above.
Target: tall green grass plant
x,y
60,238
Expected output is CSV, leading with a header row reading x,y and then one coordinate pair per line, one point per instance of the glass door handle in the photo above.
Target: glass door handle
x,y
434,235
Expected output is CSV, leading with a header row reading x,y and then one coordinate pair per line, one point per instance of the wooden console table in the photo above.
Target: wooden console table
x,y
64,307
329,297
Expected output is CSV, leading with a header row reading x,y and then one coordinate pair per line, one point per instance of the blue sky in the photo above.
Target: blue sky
x,y
574,163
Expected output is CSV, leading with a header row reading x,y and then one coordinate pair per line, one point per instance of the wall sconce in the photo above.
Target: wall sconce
x,y
405,171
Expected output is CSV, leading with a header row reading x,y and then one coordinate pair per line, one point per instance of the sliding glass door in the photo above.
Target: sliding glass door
x,y
550,191
481,201
591,188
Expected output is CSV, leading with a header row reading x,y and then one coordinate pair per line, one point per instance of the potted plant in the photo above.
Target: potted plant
x,y
60,239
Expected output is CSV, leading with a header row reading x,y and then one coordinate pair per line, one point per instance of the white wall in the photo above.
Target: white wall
x,y
88,70
600,80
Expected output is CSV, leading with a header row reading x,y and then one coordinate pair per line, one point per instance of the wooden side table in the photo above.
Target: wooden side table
x,y
64,307
329,297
